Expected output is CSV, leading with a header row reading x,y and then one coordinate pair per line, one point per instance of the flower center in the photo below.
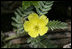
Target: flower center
x,y
36,28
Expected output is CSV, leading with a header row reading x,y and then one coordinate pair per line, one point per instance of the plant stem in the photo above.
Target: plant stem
x,y
11,37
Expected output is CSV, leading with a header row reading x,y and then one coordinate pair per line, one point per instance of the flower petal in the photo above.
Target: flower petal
x,y
44,20
27,26
43,31
33,16
33,34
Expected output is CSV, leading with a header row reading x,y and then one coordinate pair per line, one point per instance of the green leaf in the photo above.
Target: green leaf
x,y
26,4
57,25
21,16
35,3
40,42
44,7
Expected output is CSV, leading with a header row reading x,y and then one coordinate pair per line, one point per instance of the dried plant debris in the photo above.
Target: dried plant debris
x,y
67,46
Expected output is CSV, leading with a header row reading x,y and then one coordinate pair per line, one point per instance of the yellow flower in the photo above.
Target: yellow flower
x,y
36,25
